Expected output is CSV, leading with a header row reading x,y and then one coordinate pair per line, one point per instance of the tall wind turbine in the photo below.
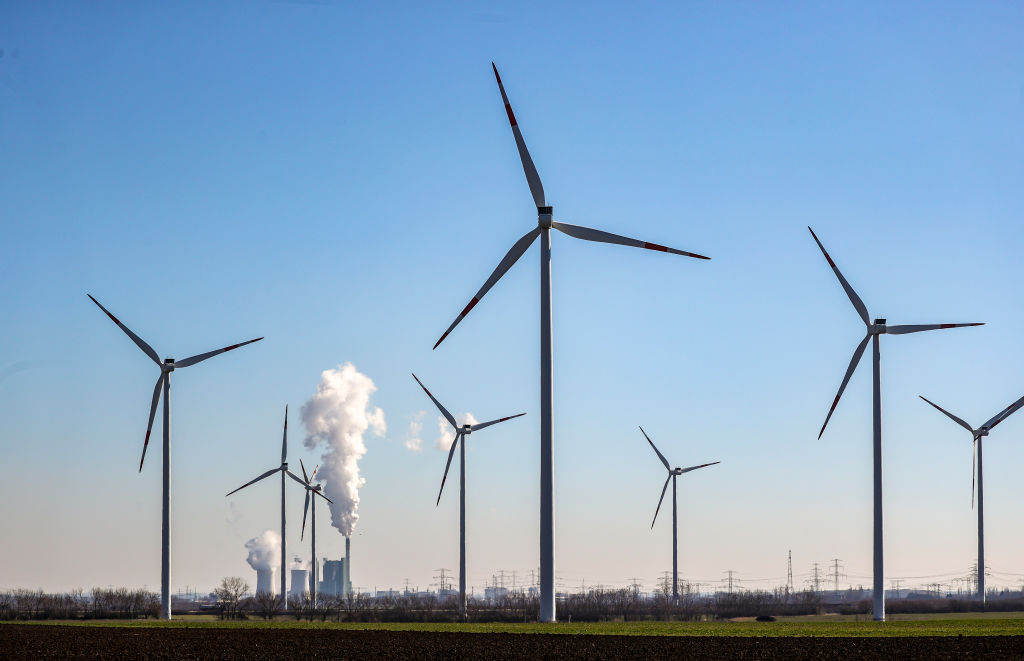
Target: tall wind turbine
x,y
874,330
460,441
311,490
545,224
673,473
283,468
163,383
977,435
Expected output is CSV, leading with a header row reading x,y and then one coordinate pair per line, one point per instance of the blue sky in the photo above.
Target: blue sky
x,y
342,179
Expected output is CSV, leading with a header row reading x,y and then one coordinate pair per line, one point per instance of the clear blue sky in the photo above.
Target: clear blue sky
x,y
342,179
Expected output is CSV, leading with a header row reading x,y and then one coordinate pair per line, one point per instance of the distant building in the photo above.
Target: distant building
x,y
335,580
493,594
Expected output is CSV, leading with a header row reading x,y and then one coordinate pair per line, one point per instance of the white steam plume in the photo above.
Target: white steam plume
x,y
265,551
447,434
336,418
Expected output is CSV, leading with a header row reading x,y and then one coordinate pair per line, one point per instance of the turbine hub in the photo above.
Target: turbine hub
x,y
983,431
544,217
168,365
878,328
467,429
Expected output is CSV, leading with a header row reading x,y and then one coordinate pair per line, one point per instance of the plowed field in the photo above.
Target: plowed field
x,y
253,644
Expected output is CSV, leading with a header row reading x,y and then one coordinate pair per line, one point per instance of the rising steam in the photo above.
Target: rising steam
x,y
335,419
265,551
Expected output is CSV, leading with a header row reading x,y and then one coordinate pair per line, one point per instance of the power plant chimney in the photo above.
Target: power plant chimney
x,y
346,586
264,581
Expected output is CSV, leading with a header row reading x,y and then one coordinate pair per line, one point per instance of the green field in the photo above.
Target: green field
x,y
960,624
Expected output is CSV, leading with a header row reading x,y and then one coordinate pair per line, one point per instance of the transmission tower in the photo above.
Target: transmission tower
x,y
441,578
789,573
730,581
815,579
835,572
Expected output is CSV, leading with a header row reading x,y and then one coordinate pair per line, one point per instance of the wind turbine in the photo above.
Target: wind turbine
x,y
977,435
545,224
673,473
283,468
874,331
163,383
460,440
311,489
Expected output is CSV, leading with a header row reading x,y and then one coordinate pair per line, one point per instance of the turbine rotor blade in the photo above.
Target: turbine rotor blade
x,y
854,298
148,350
304,508
323,496
451,453
198,358
303,467
295,477
857,353
265,475
532,178
510,258
448,416
917,328
693,468
588,234
660,455
948,414
1005,413
479,426
157,391
284,438
663,489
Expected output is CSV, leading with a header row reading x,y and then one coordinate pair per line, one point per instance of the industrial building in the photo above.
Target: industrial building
x,y
265,581
336,575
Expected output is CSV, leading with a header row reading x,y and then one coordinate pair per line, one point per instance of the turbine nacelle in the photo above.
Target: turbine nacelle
x,y
467,429
167,365
877,328
544,216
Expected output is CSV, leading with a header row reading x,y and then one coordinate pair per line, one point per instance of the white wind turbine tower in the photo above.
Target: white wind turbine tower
x,y
545,224
311,490
977,435
874,331
283,468
460,441
673,473
163,383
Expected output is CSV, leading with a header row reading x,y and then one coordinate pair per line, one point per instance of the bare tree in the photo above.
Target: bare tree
x,y
267,604
230,593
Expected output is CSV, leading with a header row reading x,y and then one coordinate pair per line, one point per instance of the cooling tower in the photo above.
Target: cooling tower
x,y
300,582
264,581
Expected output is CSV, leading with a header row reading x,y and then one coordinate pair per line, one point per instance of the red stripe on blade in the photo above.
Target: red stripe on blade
x,y
470,306
511,117
655,246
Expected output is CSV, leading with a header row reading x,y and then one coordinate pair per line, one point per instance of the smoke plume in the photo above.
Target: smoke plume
x,y
446,435
336,418
265,551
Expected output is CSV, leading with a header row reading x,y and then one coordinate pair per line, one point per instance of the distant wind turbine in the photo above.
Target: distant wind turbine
x,y
977,435
311,490
545,224
163,383
673,473
460,440
874,331
283,468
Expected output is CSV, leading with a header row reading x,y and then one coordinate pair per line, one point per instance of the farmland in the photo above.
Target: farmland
x,y
992,635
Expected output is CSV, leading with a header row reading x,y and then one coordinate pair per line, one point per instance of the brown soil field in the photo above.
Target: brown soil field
x,y
79,642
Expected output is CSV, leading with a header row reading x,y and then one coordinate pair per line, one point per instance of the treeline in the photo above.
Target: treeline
x,y
119,603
